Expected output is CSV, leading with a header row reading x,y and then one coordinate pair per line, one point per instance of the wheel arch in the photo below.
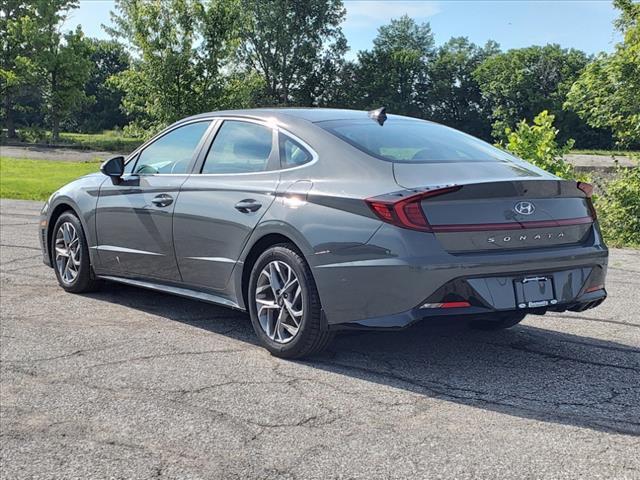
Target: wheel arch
x,y
56,213
260,245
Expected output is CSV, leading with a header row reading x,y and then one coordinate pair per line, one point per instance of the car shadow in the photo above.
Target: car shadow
x,y
527,371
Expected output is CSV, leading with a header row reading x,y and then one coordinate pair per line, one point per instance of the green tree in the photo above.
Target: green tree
x,y
405,34
395,71
18,70
607,94
453,95
180,49
522,82
292,44
537,144
108,58
61,61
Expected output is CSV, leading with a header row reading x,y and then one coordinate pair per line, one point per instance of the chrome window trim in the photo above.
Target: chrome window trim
x,y
166,131
278,130
213,120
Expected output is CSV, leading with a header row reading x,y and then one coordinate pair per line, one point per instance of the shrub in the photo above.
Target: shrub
x,y
618,207
537,144
32,134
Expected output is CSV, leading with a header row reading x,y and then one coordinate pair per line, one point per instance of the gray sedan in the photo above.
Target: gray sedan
x,y
318,220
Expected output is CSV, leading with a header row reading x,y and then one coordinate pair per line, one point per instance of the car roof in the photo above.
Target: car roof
x,y
305,113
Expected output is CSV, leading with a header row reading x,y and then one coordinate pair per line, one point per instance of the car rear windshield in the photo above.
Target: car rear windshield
x,y
414,141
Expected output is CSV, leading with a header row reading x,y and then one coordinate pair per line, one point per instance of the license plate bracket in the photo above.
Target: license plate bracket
x,y
534,292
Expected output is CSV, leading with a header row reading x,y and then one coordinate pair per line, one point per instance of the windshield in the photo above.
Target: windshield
x,y
413,141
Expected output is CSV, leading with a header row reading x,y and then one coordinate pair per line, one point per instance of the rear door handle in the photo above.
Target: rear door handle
x,y
162,200
248,205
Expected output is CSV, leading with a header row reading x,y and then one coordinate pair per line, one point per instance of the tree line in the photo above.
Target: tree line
x,y
172,58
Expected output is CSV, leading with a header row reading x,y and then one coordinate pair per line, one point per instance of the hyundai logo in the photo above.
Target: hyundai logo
x,y
524,208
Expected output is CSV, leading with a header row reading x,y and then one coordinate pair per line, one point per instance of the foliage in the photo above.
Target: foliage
x,y
607,94
33,134
537,144
38,179
522,82
65,68
110,140
42,67
18,70
619,207
172,58
395,70
454,97
292,44
108,58
180,47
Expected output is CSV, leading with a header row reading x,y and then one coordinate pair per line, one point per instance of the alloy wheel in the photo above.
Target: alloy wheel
x,y
67,252
279,302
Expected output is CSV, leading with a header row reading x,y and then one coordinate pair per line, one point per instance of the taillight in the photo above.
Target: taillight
x,y
587,189
406,212
446,305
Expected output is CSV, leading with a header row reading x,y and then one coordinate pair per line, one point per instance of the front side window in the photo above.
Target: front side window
x,y
292,153
239,147
171,153
413,141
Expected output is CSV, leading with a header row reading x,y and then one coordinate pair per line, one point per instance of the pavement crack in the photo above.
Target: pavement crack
x,y
165,355
20,246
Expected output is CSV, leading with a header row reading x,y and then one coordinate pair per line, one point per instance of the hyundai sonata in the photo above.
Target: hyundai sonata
x,y
316,220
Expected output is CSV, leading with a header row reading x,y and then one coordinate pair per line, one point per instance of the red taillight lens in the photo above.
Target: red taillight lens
x,y
406,212
595,288
587,188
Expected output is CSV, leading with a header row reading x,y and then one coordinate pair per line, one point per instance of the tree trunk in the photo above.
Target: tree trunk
x,y
55,118
11,126
55,128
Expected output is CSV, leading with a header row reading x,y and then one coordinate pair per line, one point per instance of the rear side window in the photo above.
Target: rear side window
x,y
414,141
292,153
239,147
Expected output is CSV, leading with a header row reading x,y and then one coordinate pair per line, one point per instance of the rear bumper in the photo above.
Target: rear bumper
x,y
404,319
383,284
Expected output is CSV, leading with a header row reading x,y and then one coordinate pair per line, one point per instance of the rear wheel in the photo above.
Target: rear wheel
x,y
70,255
501,321
284,304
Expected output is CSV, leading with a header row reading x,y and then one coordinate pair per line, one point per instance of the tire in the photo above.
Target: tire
x,y
267,302
73,272
502,321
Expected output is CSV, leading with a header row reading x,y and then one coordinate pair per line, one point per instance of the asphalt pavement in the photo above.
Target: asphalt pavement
x,y
132,384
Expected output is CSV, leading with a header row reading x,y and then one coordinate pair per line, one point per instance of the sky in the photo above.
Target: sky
x,y
582,24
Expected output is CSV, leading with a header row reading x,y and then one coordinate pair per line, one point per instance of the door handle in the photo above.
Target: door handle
x,y
248,205
162,200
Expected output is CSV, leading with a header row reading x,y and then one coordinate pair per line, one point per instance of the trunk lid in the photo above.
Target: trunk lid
x,y
501,206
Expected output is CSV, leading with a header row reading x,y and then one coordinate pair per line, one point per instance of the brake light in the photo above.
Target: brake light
x,y
587,188
595,288
406,212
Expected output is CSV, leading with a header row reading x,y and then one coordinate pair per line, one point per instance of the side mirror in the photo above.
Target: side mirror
x,y
114,168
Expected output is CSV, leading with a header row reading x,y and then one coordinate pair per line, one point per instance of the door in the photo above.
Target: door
x,y
134,217
219,207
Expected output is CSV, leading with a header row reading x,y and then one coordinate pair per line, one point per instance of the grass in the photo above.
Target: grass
x,y
27,179
108,140
617,153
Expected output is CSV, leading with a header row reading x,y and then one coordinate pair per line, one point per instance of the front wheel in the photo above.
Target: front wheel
x,y
70,255
284,304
